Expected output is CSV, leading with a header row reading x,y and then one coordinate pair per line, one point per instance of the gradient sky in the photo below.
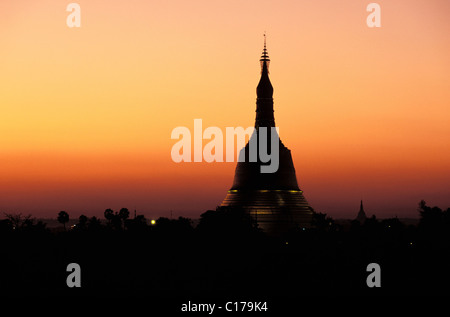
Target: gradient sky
x,y
86,113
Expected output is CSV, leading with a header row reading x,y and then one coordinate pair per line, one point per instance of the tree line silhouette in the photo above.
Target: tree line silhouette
x,y
225,253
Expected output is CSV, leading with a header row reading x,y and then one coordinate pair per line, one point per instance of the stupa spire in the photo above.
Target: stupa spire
x,y
361,214
264,93
265,60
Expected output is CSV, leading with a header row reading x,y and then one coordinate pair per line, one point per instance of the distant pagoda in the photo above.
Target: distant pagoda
x,y
274,200
361,214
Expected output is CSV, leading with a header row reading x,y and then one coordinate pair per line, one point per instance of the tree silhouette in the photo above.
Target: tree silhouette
x,y
430,216
321,221
94,224
180,226
109,215
434,221
227,222
63,217
116,221
20,222
123,215
16,220
82,222
139,223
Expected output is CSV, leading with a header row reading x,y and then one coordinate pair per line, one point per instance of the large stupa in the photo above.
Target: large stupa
x,y
274,200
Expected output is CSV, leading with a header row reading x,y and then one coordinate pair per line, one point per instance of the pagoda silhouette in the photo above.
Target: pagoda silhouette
x,y
274,200
361,217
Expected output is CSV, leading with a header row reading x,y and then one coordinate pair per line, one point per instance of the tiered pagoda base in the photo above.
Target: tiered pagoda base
x,y
275,211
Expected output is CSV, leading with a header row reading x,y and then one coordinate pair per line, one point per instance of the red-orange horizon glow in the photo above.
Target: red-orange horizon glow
x,y
86,113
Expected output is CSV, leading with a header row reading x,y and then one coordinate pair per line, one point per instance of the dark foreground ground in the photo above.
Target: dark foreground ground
x,y
226,258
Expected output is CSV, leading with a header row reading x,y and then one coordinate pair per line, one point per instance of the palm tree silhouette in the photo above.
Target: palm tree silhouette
x,y
82,221
123,215
63,217
109,214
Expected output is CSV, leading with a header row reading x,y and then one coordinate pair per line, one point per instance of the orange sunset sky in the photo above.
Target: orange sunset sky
x,y
86,113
